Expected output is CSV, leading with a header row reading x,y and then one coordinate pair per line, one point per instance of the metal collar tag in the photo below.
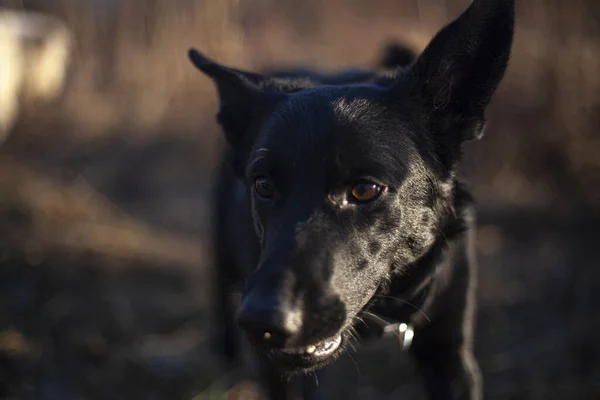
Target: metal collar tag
x,y
405,333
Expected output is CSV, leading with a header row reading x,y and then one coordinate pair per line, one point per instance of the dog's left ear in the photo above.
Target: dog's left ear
x,y
243,99
458,72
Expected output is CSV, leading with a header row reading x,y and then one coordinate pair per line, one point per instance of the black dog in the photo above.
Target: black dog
x,y
340,192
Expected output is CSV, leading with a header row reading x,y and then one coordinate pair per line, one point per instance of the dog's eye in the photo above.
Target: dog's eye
x,y
365,191
264,187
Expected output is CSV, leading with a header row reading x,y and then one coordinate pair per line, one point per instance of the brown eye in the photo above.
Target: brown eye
x,y
264,187
365,191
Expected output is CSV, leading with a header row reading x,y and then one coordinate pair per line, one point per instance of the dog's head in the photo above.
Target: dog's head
x,y
351,182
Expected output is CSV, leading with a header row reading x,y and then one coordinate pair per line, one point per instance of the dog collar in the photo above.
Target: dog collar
x,y
404,331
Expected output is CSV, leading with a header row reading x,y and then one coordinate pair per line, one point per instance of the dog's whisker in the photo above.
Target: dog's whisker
x,y
360,320
405,302
352,346
354,337
351,333
315,376
377,317
355,365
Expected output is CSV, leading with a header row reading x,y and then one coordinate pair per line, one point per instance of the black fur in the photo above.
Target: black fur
x,y
311,258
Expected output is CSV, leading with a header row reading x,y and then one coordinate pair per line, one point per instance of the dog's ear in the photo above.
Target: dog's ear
x,y
244,100
458,72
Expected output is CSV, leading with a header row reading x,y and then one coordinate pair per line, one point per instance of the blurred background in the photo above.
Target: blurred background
x,y
108,151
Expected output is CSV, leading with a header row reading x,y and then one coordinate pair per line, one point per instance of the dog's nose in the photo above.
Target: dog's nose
x,y
267,323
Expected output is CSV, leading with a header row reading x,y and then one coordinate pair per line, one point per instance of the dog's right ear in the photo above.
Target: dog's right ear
x,y
459,71
244,100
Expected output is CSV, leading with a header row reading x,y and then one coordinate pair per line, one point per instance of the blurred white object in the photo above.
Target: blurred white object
x,y
34,55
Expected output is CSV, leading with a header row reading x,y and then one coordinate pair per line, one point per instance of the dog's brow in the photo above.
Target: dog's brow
x,y
258,155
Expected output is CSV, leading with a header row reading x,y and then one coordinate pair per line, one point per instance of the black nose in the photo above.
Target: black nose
x,y
269,323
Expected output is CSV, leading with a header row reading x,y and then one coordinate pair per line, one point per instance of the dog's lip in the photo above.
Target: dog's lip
x,y
321,349
307,358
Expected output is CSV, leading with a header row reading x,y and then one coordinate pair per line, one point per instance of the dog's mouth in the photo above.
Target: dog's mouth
x,y
307,358
321,349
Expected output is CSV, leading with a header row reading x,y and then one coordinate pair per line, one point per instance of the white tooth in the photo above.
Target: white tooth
x,y
310,349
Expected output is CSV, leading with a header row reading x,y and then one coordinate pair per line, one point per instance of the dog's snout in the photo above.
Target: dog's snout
x,y
269,323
